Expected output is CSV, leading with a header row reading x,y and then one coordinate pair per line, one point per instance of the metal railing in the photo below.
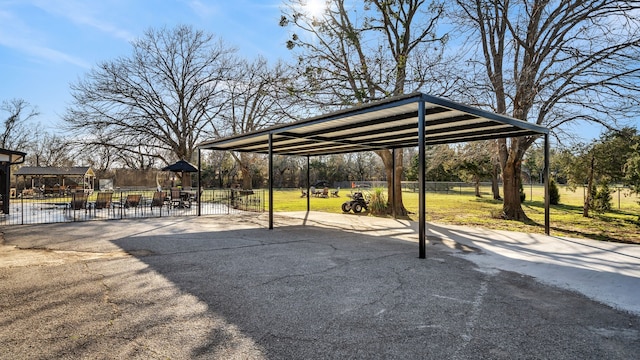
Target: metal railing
x,y
127,204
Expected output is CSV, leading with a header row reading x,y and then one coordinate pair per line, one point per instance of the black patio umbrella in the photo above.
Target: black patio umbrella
x,y
181,167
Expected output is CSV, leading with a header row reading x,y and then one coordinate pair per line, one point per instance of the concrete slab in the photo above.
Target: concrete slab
x,y
603,271
317,286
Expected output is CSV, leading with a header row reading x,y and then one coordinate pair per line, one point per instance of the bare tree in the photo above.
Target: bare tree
x,y
158,102
100,158
259,97
46,149
15,133
551,63
357,52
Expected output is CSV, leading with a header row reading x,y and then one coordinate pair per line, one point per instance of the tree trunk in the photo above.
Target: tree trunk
x,y
398,205
495,187
186,180
245,171
394,200
510,153
587,199
476,182
246,177
512,207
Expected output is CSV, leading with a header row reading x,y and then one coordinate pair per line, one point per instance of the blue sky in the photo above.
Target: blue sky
x,y
47,44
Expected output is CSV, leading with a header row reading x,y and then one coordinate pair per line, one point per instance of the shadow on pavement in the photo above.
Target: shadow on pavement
x,y
317,292
220,287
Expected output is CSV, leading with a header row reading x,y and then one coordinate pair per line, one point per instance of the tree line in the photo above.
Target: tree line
x,y
551,63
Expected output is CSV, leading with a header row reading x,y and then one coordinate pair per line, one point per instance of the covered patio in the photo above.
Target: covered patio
x,y
412,120
49,180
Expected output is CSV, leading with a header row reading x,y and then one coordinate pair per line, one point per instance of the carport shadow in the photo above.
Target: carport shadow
x,y
300,291
306,291
221,287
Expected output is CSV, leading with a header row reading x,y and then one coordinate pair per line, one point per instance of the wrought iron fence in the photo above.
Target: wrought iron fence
x,y
127,204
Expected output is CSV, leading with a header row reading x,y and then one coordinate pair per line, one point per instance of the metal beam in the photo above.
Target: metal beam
x,y
546,184
270,181
392,195
308,186
199,196
362,124
422,237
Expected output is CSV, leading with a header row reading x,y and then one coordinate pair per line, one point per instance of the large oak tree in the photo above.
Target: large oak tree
x,y
357,52
552,63
259,96
157,103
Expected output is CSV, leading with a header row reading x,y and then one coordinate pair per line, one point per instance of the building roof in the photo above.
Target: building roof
x,y
47,171
387,124
11,156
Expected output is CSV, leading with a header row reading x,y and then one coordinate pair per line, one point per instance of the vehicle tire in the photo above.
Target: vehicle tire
x,y
357,208
346,207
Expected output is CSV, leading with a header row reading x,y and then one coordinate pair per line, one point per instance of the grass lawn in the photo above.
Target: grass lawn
x,y
621,224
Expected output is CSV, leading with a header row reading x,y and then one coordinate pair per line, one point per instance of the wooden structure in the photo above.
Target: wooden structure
x,y
58,180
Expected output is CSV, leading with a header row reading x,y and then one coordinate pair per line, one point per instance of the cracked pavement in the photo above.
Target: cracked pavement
x,y
331,288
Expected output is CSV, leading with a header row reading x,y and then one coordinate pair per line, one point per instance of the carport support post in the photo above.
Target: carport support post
x,y
421,177
199,196
308,186
546,183
270,181
392,196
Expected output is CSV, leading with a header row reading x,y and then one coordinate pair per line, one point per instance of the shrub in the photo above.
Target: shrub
x,y
378,202
554,194
523,196
601,201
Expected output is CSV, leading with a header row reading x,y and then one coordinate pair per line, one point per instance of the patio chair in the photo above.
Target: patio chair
x,y
132,201
103,201
324,193
335,193
78,201
176,198
159,198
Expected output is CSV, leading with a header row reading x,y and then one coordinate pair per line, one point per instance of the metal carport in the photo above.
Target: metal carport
x,y
410,120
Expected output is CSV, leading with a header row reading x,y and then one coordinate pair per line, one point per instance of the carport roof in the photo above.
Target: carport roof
x,y
387,124
52,171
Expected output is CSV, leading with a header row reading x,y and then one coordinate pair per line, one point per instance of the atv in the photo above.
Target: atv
x,y
357,203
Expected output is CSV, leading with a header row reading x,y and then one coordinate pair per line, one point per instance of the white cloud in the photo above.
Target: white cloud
x,y
203,10
90,14
55,55
15,34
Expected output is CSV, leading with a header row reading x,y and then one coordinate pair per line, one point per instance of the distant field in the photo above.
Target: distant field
x,y
461,207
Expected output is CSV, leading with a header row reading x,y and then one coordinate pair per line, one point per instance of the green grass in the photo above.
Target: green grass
x,y
461,207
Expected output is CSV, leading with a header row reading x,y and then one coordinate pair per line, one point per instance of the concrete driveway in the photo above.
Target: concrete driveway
x,y
318,286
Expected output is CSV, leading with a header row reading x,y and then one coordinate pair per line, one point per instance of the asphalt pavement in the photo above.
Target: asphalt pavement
x,y
317,286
